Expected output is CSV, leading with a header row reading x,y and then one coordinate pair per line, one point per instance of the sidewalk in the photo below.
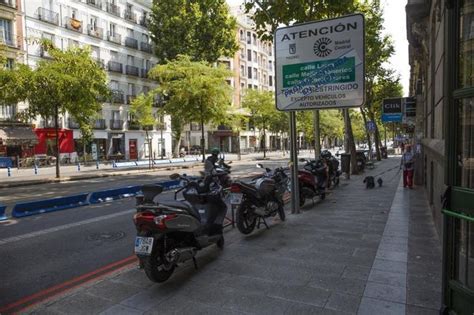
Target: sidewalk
x,y
357,252
27,176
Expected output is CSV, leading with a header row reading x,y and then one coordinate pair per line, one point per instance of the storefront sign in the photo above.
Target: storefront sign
x,y
392,110
320,64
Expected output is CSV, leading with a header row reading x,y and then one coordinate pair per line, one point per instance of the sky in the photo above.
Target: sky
x,y
395,26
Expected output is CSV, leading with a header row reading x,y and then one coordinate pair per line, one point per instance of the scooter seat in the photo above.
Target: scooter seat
x,y
183,205
248,188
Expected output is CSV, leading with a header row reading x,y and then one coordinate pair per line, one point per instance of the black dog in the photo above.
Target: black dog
x,y
369,182
380,181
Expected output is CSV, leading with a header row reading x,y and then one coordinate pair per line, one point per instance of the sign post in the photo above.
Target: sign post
x,y
318,65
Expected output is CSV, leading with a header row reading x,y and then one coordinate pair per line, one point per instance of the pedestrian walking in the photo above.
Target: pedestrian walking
x,y
408,164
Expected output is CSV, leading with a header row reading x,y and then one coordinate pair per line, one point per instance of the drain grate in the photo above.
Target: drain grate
x,y
106,236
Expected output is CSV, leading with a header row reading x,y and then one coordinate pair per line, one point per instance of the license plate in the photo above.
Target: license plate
x,y
143,245
235,199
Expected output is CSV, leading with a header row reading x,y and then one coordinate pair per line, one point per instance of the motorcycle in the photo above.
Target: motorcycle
x,y
260,199
222,171
172,232
333,168
312,180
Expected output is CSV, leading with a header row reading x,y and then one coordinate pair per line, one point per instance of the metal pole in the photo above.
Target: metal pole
x,y
295,200
317,136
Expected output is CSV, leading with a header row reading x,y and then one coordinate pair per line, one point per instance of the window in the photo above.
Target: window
x,y
249,55
6,34
254,36
10,63
112,29
466,43
249,38
249,72
255,73
249,86
270,80
93,23
131,89
242,71
255,56
95,53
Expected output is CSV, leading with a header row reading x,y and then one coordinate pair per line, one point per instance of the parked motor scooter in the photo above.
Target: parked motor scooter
x,y
171,232
333,168
260,199
312,180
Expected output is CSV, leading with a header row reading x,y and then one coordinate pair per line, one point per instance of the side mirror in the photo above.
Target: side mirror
x,y
174,176
259,165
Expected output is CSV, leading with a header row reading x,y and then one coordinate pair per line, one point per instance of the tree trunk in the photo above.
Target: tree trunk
x,y
264,141
239,154
317,136
56,128
203,141
149,148
350,142
367,133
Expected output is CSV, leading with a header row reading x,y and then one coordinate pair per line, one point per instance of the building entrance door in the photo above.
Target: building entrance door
x,y
132,147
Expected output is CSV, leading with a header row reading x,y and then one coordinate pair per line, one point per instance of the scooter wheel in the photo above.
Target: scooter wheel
x,y
220,242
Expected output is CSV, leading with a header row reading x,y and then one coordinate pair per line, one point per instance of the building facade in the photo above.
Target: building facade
x,y
253,68
116,31
441,52
16,139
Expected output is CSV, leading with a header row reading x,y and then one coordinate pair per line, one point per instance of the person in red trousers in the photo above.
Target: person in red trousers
x,y
408,164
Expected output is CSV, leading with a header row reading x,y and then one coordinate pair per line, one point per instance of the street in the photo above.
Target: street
x,y
45,250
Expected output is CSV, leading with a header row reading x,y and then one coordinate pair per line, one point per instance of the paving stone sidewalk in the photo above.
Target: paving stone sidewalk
x,y
358,252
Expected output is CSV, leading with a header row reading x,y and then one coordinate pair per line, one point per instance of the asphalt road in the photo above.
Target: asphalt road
x,y
42,251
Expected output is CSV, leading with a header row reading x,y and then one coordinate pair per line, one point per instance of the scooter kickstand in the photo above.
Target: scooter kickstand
x,y
195,263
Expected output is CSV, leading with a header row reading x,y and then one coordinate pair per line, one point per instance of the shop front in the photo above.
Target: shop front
x,y
17,142
116,146
47,143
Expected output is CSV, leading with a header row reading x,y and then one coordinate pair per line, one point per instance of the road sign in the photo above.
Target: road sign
x,y
320,64
392,110
371,126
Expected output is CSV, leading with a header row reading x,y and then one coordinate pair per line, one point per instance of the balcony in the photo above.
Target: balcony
x,y
131,42
130,99
114,38
132,70
8,3
143,21
144,73
133,125
130,16
50,123
95,3
113,9
115,66
95,31
117,97
116,124
146,47
47,16
72,124
73,24
99,124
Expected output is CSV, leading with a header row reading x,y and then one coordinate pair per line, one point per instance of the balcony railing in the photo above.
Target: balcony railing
x,y
115,66
50,123
115,38
117,97
73,24
95,3
116,124
95,31
145,47
47,16
132,70
8,3
99,124
130,98
131,42
113,9
129,15
143,21
133,125
72,124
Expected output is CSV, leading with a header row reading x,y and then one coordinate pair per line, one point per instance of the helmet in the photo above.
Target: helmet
x,y
326,154
215,151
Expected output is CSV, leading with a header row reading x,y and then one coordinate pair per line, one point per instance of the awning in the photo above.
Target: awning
x,y
18,135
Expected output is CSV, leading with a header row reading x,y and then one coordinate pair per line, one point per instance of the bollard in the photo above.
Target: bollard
x,y
36,169
114,165
9,171
78,167
96,165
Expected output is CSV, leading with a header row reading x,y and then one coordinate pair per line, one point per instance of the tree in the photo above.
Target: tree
x,y
261,105
70,82
332,126
195,91
141,110
201,29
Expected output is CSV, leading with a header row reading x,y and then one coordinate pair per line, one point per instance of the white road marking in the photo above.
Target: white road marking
x,y
63,227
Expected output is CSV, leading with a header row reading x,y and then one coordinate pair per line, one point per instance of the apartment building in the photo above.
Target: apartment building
x,y
116,31
16,138
441,52
253,68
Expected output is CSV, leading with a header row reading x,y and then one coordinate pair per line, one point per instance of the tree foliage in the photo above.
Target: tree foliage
x,y
194,92
268,15
201,29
